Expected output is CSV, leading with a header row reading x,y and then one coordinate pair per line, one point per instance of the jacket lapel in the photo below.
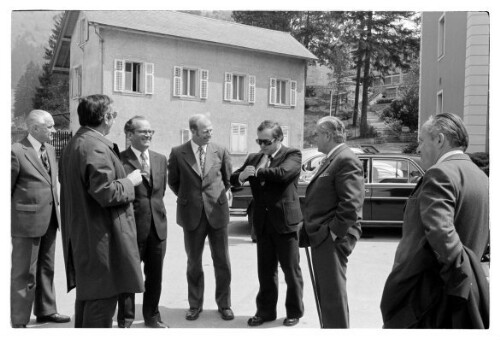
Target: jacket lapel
x,y
327,162
131,158
190,158
32,156
209,159
279,156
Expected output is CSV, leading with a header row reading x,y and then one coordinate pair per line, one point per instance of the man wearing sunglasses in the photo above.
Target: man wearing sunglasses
x,y
273,174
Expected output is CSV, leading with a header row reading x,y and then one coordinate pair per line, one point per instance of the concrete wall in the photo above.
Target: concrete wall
x,y
169,114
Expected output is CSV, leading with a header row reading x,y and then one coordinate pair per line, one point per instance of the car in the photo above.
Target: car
x,y
389,180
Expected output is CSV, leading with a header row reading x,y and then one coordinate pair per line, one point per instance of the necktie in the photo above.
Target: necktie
x,y
44,158
145,167
202,160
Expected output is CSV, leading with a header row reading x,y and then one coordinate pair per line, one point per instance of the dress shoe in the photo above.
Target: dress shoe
x,y
18,325
290,321
56,317
257,321
193,313
124,324
155,324
226,313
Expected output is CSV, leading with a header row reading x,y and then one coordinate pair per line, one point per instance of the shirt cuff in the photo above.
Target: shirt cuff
x,y
334,237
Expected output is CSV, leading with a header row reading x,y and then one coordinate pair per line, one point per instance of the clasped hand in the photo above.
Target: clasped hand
x,y
247,172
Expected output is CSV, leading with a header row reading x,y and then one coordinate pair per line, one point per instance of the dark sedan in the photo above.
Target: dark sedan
x,y
389,180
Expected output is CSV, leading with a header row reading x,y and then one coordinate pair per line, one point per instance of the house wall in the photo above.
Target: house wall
x,y
169,114
446,73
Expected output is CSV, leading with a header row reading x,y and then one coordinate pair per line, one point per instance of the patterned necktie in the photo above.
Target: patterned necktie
x,y
202,160
145,167
44,158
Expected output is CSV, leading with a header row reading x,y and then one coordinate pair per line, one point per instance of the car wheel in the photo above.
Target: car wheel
x,y
250,223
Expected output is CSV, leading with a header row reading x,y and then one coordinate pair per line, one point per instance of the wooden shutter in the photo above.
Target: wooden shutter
x,y
272,91
251,89
293,93
243,138
228,86
150,78
177,81
203,84
119,76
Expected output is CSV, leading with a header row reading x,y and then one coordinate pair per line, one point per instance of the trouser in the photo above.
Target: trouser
x,y
95,313
194,242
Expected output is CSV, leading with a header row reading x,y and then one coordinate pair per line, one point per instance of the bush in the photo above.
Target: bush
x,y
411,148
344,115
384,101
310,91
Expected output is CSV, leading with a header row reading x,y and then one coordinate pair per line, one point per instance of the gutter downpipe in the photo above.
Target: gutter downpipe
x,y
101,55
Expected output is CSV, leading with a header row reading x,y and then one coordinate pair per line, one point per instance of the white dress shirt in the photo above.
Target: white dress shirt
x,y
36,144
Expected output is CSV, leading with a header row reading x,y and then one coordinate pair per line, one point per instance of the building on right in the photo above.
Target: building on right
x,y
454,71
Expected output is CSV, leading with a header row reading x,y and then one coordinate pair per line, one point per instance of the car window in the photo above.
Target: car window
x,y
310,168
415,174
390,171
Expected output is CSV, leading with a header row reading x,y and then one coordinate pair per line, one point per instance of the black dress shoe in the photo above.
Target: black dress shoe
x,y
226,313
257,321
193,313
155,324
124,324
56,317
290,321
18,325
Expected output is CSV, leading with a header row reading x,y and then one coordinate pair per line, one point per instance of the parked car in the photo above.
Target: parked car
x,y
389,180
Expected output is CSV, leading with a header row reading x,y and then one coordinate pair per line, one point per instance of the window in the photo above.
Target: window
x,y
390,171
133,77
286,139
84,31
190,82
439,102
238,142
76,82
282,92
441,31
239,87
185,135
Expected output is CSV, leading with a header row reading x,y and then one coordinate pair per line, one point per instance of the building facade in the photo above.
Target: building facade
x,y
454,75
168,66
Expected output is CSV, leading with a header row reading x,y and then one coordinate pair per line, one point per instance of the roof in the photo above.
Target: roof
x,y
184,26
196,27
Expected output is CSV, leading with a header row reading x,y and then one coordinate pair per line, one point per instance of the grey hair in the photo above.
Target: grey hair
x,y
333,126
194,119
451,126
130,124
35,118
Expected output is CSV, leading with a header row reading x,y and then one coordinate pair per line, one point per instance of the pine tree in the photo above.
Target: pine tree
x,y
25,90
52,94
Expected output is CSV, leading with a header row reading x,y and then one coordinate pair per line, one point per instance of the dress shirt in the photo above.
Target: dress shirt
x,y
448,154
272,156
36,144
138,155
197,152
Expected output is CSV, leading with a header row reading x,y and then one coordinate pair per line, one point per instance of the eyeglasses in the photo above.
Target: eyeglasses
x,y
114,114
266,142
145,132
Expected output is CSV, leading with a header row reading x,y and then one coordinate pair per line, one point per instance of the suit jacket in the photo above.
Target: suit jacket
x,y
148,203
195,193
277,198
334,197
98,227
33,191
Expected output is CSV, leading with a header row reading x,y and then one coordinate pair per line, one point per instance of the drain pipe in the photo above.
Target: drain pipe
x,y
101,55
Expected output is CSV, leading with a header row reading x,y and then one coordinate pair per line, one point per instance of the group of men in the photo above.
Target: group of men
x,y
112,218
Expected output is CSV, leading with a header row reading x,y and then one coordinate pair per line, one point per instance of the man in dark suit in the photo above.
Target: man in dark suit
x,y
332,212
446,220
198,174
150,220
273,174
98,227
34,224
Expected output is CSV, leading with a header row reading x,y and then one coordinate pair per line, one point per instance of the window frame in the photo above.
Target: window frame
x,y
76,81
145,76
289,92
200,82
245,87
441,37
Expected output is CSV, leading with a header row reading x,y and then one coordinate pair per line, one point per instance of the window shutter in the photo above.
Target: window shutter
x,y
228,85
272,91
243,138
286,140
251,89
203,84
177,81
150,78
234,137
119,80
293,93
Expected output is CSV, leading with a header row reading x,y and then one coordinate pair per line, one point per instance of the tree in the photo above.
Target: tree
x,y
52,94
25,90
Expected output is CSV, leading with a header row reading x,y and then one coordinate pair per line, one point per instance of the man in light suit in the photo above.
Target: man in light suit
x,y
446,224
273,174
198,174
34,223
150,220
98,226
332,212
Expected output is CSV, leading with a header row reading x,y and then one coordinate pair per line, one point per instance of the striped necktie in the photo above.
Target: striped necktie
x,y
44,158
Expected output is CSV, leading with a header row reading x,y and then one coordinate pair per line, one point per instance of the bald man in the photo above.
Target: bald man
x,y
34,223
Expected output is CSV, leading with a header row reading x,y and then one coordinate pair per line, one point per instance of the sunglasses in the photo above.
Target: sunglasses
x,y
266,142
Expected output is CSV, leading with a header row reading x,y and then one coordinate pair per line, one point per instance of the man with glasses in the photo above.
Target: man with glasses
x,y
35,219
198,174
99,235
150,220
273,174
